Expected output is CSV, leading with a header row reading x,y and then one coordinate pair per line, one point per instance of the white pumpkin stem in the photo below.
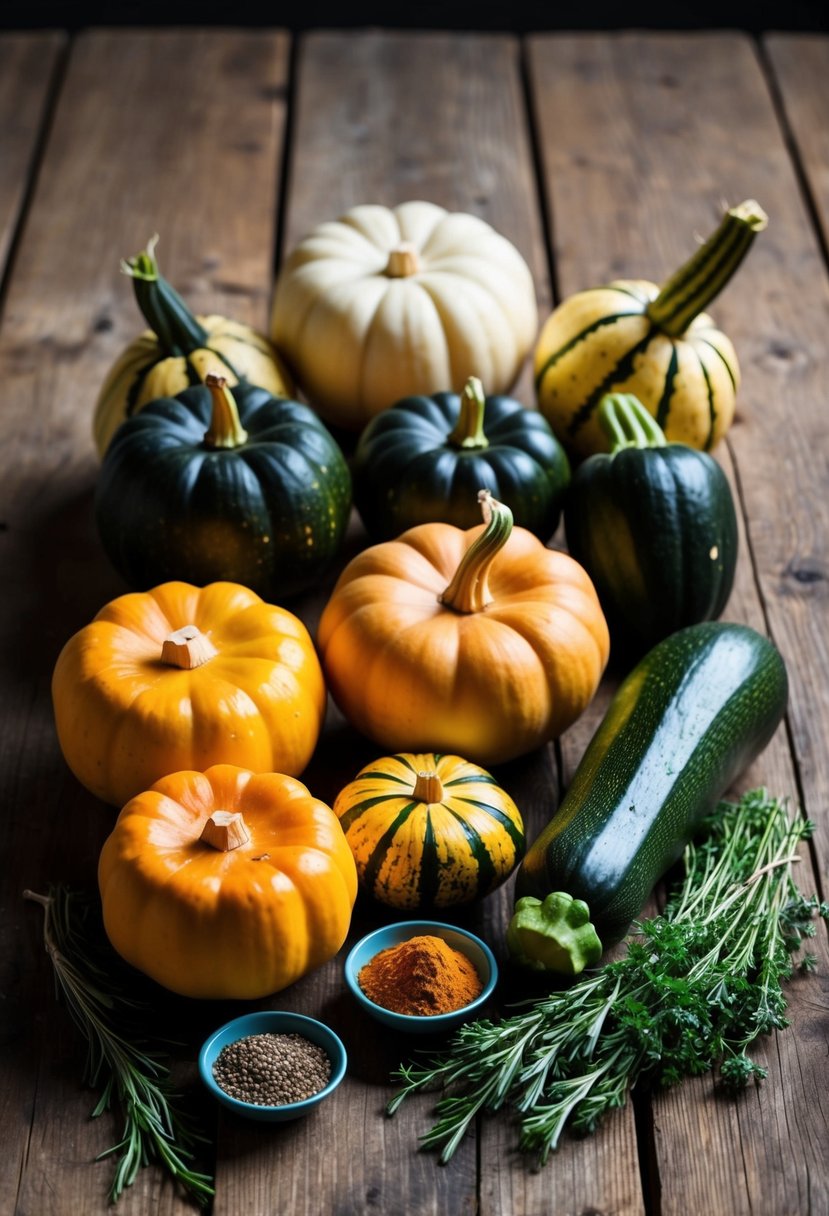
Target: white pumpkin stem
x,y
403,261
187,648
225,430
428,788
469,589
225,830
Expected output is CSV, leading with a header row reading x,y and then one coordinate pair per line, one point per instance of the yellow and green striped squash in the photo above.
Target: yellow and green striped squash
x,y
632,336
178,351
429,831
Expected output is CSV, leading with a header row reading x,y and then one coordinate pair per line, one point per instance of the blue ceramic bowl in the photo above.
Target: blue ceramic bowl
x,y
272,1022
475,950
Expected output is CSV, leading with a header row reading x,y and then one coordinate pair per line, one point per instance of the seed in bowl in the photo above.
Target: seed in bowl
x,y
272,1069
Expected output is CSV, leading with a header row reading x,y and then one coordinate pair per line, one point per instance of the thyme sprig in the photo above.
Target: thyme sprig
x,y
129,1074
697,986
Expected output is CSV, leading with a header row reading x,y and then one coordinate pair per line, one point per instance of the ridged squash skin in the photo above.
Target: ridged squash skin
x,y
694,713
385,302
418,848
270,511
125,716
408,470
656,530
236,924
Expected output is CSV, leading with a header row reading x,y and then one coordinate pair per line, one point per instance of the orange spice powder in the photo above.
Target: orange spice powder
x,y
422,977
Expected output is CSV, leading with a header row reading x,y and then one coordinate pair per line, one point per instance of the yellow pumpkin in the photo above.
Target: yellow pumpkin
x,y
177,351
482,643
632,336
429,831
226,883
185,677
383,303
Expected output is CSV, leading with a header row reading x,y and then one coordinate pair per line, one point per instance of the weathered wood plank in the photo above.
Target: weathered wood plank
x,y
800,64
29,63
665,127
174,132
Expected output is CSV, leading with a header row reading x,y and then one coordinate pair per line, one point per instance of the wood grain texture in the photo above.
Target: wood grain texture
x,y
29,64
178,133
665,127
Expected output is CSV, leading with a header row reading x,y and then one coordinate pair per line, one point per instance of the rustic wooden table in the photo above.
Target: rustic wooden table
x,y
599,156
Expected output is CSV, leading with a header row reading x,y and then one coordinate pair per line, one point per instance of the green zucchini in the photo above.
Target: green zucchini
x,y
688,719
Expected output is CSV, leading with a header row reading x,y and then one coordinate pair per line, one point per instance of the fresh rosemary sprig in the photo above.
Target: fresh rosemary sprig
x,y
695,989
110,1020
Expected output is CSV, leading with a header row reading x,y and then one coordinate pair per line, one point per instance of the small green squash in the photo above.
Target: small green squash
x,y
429,831
215,484
177,351
425,459
654,525
633,336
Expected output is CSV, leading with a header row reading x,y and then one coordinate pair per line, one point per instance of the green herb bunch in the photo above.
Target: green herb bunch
x,y
695,989
113,1023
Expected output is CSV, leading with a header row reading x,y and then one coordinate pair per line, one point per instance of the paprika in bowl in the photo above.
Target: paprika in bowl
x,y
421,976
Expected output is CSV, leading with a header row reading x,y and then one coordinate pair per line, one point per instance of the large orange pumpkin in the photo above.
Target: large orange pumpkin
x,y
226,883
481,642
184,677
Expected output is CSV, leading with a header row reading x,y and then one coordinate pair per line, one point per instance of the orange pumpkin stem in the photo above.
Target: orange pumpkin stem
x,y
225,830
428,788
403,261
187,648
225,430
469,589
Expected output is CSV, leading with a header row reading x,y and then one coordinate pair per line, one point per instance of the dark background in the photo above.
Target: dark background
x,y
517,15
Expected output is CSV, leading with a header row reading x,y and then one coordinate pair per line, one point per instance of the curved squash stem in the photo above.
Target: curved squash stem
x,y
177,330
628,424
469,589
469,431
225,430
691,289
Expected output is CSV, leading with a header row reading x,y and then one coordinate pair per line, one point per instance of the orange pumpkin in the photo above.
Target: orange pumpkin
x,y
185,677
227,883
482,642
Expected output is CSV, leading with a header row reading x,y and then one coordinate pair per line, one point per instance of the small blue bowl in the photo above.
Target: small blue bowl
x,y
478,953
272,1022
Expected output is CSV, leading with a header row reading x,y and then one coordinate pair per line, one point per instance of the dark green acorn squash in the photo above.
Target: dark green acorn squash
x,y
653,524
217,484
425,459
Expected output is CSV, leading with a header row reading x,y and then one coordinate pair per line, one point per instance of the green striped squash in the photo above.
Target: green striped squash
x,y
429,831
657,343
178,351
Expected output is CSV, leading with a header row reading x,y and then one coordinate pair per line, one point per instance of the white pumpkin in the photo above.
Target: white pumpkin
x,y
385,303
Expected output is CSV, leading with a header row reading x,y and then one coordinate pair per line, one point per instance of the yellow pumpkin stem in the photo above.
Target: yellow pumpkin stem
x,y
469,589
469,431
428,788
225,830
187,648
403,261
225,430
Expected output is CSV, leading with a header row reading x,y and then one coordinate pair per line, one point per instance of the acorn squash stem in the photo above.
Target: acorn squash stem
x,y
469,589
691,289
225,430
628,424
469,431
177,330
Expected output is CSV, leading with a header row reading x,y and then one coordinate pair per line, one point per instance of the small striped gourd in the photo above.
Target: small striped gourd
x,y
177,352
632,336
429,831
